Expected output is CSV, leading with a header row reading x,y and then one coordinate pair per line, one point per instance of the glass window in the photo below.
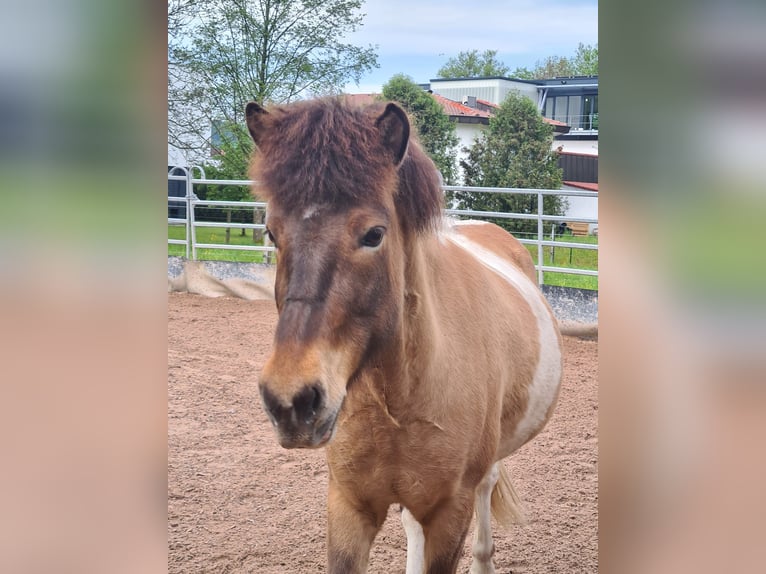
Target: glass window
x,y
575,112
561,109
590,111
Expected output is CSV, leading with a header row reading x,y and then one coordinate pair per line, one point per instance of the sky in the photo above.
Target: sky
x,y
417,37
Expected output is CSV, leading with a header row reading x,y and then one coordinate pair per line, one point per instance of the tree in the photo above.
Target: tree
x,y
270,51
514,151
437,132
472,64
583,63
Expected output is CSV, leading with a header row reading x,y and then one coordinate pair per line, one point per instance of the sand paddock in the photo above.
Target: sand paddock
x,y
238,502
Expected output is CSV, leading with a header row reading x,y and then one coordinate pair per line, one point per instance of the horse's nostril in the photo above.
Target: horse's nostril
x,y
272,405
308,402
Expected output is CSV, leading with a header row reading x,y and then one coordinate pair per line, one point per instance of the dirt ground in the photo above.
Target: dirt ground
x,y
238,502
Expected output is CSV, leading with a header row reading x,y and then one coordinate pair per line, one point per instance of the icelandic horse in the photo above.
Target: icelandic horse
x,y
417,350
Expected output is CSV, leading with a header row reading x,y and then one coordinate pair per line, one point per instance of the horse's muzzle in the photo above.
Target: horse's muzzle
x,y
305,422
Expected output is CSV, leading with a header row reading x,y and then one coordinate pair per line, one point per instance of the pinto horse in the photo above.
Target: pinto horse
x,y
418,350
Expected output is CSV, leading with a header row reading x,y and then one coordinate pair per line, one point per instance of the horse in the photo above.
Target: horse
x,y
417,350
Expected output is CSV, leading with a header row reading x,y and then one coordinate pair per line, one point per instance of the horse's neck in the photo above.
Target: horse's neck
x,y
413,356
420,331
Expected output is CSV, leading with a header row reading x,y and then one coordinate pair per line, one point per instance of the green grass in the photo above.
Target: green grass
x,y
216,235
564,256
570,257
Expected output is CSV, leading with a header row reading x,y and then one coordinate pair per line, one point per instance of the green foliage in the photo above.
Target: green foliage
x,y
583,63
471,64
436,131
224,53
514,151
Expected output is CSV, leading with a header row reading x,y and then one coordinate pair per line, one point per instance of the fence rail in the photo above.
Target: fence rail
x,y
191,202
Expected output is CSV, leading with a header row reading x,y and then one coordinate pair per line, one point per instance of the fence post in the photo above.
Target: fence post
x,y
540,238
190,197
186,211
553,238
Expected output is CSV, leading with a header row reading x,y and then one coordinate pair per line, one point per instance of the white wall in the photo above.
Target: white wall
x,y
492,90
467,133
585,207
587,147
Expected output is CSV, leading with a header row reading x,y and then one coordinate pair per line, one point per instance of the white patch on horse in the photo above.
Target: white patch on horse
x,y
459,222
311,211
483,546
416,543
548,372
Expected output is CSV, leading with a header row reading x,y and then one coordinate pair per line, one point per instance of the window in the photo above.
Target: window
x,y
575,112
561,108
579,112
590,112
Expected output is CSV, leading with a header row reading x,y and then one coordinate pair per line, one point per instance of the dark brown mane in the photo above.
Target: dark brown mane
x,y
328,151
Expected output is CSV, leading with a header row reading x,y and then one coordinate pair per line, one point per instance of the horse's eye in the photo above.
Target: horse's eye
x,y
373,237
271,237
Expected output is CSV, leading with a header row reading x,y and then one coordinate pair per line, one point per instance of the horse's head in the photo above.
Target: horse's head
x,y
331,175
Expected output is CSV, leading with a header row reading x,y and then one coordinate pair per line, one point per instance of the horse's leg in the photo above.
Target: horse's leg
x,y
483,547
349,534
445,533
416,550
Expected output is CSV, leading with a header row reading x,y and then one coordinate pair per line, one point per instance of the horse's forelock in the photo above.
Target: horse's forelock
x,y
320,151
329,152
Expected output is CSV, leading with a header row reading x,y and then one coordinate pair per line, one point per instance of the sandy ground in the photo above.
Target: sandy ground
x,y
237,502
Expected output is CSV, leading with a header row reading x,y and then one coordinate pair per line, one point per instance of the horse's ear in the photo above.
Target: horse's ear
x,y
394,131
255,116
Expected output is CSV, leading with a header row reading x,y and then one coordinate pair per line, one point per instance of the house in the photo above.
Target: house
x,y
569,104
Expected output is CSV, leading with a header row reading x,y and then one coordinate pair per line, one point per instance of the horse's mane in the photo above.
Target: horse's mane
x,y
329,151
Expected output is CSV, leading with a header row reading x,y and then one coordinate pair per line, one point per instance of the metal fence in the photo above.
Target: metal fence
x,y
191,201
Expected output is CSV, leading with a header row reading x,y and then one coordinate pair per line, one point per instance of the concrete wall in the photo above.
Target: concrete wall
x,y
587,147
491,90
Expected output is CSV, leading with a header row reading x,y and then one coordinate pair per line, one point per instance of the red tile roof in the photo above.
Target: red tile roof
x,y
453,108
554,122
486,103
582,185
579,153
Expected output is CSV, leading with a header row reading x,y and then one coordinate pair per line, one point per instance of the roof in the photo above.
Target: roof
x,y
568,81
458,110
582,185
579,153
486,103
453,108
534,82
542,82
554,122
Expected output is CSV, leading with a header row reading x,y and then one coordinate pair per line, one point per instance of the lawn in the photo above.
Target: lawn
x,y
217,235
570,257
563,256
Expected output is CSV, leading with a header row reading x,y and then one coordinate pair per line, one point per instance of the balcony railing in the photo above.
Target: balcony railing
x,y
579,123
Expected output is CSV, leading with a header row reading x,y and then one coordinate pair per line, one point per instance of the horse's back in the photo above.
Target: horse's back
x,y
499,241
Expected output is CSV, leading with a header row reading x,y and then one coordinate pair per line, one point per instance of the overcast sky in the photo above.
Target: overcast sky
x,y
416,37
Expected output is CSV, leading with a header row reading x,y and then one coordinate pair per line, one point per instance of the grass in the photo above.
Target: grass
x,y
564,256
217,235
570,257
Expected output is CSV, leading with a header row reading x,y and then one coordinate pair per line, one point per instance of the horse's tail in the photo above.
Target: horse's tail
x,y
505,503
